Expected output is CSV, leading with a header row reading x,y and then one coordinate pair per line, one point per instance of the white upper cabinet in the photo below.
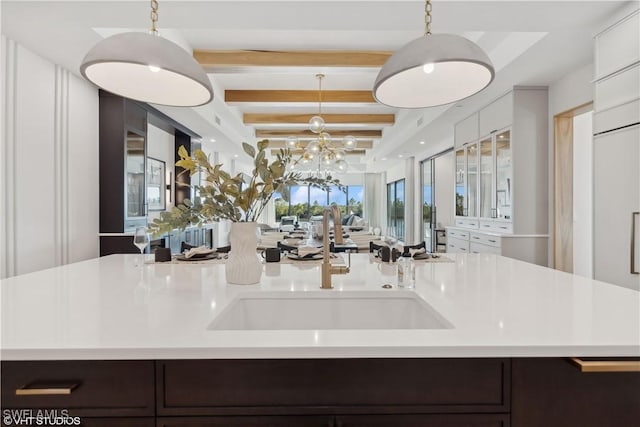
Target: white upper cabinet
x,y
618,46
466,131
497,115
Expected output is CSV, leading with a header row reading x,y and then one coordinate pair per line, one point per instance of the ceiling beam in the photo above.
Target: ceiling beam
x,y
382,119
217,59
282,144
347,96
267,133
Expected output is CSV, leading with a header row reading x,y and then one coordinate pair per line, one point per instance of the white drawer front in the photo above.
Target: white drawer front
x,y
458,234
457,245
485,239
478,248
467,223
496,226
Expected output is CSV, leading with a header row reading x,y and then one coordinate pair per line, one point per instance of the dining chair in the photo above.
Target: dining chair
x,y
184,246
421,245
286,248
374,247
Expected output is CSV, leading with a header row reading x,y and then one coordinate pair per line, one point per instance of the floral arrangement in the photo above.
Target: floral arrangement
x,y
226,197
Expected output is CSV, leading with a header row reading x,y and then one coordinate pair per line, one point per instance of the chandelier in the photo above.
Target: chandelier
x,y
322,155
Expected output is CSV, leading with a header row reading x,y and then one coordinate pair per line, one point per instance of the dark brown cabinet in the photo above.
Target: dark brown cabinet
x,y
554,393
519,392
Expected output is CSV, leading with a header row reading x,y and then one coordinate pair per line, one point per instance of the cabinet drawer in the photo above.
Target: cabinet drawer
x,y
457,245
102,388
458,234
496,226
444,420
485,239
248,421
467,222
329,386
479,248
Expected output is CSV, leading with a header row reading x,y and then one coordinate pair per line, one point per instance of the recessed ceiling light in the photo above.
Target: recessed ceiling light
x,y
421,142
236,156
212,140
384,158
399,155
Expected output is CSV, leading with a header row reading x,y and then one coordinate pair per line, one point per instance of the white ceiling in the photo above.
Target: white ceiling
x,y
529,42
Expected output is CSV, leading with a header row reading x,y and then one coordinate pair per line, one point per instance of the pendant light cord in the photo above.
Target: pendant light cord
x,y
154,17
320,76
427,18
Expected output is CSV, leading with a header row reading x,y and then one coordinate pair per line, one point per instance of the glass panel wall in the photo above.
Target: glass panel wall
x,y
306,201
395,209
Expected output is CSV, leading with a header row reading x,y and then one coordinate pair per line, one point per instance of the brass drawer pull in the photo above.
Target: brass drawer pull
x,y
606,365
46,389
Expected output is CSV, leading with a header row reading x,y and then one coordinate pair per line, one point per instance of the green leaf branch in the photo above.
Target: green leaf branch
x,y
226,197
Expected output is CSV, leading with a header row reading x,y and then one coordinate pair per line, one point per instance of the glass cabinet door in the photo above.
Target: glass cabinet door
x,y
472,180
460,182
486,179
503,173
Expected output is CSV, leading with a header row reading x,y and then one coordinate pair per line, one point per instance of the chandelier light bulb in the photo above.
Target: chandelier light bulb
x,y
349,142
341,165
339,154
316,124
292,142
324,138
313,147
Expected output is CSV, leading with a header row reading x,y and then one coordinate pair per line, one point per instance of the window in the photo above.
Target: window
x,y
306,201
395,208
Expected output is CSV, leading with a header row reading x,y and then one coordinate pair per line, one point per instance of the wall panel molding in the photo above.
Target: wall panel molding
x,y
8,160
49,119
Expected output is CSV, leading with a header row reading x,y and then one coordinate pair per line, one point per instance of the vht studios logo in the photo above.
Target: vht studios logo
x,y
38,417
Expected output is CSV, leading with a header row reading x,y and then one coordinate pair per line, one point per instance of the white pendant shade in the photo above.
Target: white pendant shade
x,y
433,70
147,68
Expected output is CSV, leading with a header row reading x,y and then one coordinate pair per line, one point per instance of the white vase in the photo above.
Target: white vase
x,y
243,266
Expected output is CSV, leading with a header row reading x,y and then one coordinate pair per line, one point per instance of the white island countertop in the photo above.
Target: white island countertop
x,y
107,308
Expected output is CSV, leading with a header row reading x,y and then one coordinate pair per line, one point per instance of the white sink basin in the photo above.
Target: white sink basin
x,y
328,310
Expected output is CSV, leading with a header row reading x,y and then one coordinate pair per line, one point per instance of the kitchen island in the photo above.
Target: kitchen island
x,y
499,357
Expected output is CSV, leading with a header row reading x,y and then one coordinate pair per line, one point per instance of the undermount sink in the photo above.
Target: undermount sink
x,y
328,310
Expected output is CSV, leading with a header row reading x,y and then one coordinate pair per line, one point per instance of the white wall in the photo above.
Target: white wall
x,y
571,91
49,206
583,195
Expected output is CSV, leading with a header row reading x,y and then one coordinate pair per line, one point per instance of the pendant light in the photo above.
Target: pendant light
x,y
148,68
435,69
